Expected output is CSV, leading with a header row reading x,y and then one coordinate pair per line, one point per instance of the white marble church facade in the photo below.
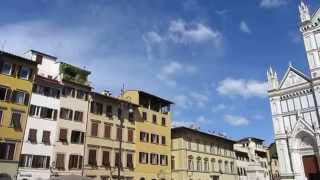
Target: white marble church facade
x,y
295,107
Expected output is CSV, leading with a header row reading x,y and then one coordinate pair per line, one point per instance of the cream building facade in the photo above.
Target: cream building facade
x,y
104,133
294,106
197,155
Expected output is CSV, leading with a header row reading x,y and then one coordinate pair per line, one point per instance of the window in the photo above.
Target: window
x,y
130,135
213,161
77,137
173,163
154,138
6,68
107,131
164,160
154,159
190,163
220,165
143,157
34,161
131,116
92,157
24,72
5,93
32,136
130,161
39,58
15,120
232,167
163,140
117,160
226,166
94,129
47,113
96,108
119,113
163,121
206,165
109,111
106,158
63,135
119,133
78,116
66,91
46,91
154,119
199,167
144,116
1,115
189,144
60,162
20,97
7,151
66,114
144,137
75,162
46,137
81,94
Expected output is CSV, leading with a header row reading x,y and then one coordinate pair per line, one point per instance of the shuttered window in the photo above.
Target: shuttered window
x,y
92,157
106,158
130,135
94,129
60,162
46,137
107,131
63,135
32,136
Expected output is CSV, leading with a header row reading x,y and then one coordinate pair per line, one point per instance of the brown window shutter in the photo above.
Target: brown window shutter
x,y
60,162
106,159
94,129
92,158
46,137
129,161
8,94
107,131
130,135
63,135
119,133
26,99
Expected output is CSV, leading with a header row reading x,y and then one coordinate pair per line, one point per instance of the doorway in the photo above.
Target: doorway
x,y
311,167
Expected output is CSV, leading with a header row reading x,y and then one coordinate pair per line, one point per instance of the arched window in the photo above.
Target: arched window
x,y
190,163
199,164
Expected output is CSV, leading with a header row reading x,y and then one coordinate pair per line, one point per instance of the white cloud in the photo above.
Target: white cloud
x,y
236,120
272,3
221,12
48,37
244,27
195,123
219,107
242,87
295,37
152,39
200,99
172,69
182,32
182,101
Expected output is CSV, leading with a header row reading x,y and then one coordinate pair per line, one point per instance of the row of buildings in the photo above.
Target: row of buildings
x,y
53,124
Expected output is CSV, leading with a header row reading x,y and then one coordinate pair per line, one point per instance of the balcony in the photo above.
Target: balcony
x,y
74,74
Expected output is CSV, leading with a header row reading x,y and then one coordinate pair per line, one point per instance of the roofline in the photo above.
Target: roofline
x,y
44,54
26,60
253,138
87,71
201,132
141,91
113,98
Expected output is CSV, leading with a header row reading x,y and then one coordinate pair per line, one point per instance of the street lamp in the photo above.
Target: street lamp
x,y
122,104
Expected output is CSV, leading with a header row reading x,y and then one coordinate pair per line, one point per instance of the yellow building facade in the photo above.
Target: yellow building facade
x,y
196,155
153,131
104,132
16,81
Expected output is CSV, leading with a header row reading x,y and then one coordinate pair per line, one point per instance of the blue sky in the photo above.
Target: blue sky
x,y
208,56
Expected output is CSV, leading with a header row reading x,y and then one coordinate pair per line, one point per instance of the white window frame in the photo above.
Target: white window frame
x,y
23,99
6,63
28,75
